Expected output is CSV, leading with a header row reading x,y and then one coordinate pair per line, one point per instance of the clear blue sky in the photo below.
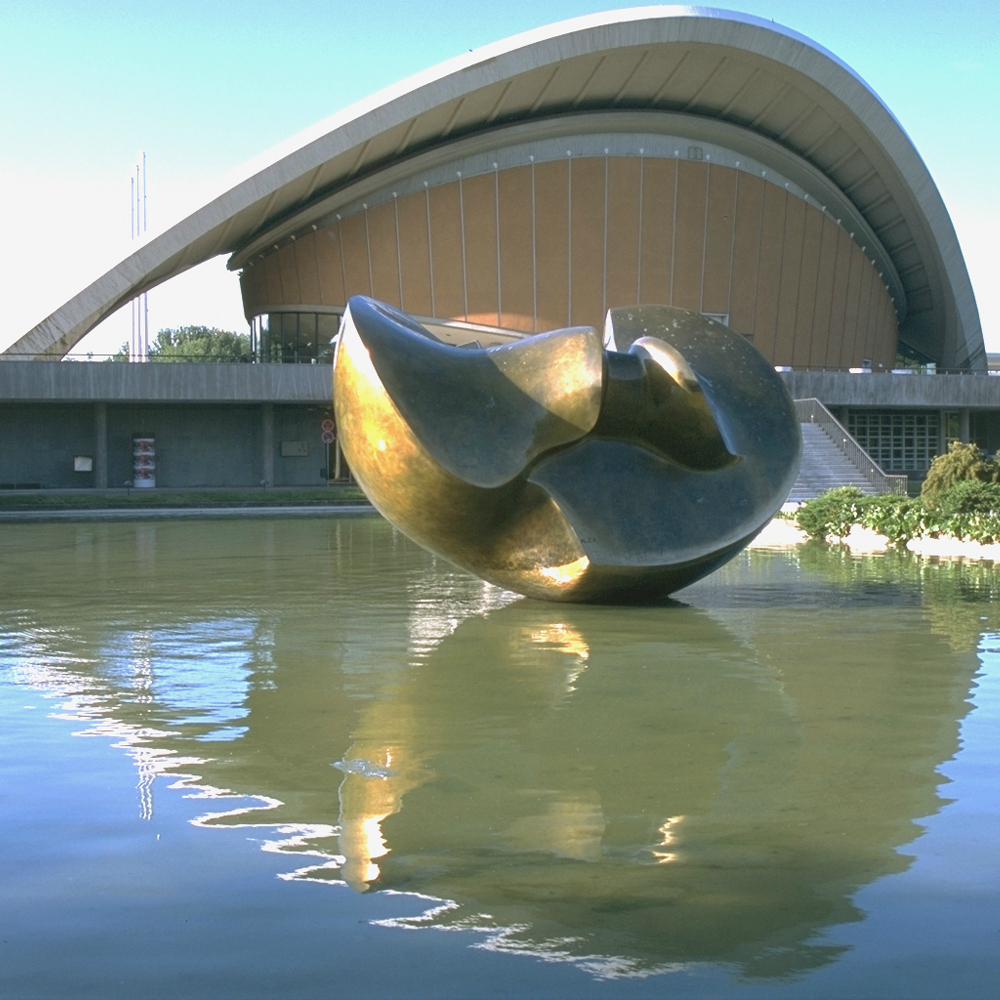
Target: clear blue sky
x,y
204,86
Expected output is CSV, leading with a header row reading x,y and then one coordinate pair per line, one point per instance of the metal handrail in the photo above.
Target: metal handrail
x,y
812,411
257,356
903,370
251,357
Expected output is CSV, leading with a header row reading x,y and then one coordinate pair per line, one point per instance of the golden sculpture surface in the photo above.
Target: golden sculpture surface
x,y
562,467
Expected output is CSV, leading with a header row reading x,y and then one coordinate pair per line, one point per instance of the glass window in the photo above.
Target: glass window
x,y
952,427
294,337
898,442
327,325
289,337
306,344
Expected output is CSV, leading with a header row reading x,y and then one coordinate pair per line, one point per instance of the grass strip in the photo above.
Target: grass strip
x,y
163,500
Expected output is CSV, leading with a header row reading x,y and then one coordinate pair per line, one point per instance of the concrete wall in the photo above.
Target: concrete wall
x,y
42,381
214,424
196,444
225,430
296,423
886,390
37,444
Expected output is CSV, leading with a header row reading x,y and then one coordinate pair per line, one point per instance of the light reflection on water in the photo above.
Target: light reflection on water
x,y
631,792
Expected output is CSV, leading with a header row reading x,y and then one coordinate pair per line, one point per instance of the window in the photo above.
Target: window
x,y
294,337
952,427
897,441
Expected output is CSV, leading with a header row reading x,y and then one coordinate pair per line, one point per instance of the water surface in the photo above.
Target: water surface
x,y
279,758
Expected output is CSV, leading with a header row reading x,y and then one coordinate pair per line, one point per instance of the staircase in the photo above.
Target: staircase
x,y
824,467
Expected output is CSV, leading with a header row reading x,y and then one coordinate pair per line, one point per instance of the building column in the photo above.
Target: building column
x,y
963,425
267,444
100,446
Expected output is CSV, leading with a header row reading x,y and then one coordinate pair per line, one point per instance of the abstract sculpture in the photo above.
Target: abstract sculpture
x,y
562,467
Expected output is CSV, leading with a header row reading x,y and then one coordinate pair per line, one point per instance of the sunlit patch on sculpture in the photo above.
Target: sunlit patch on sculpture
x,y
562,466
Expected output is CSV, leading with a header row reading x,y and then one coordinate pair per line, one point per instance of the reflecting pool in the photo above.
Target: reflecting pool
x,y
280,758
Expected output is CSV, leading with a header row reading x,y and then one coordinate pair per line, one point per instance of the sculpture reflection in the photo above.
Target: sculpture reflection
x,y
561,469
652,828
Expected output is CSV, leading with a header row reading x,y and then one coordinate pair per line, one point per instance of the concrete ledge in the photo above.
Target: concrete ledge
x,y
163,382
784,534
189,513
93,381
887,390
157,382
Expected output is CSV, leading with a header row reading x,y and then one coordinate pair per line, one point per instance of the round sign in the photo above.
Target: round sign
x,y
327,426
327,437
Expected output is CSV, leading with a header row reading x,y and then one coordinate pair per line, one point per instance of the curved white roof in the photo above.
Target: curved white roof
x,y
738,71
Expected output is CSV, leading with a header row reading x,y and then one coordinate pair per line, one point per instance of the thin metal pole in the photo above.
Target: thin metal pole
x,y
638,269
430,246
604,293
461,223
673,230
496,213
704,236
145,299
534,254
569,237
368,247
131,236
399,252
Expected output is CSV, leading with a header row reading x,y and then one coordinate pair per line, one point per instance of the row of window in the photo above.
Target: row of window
x,y
294,338
308,338
898,442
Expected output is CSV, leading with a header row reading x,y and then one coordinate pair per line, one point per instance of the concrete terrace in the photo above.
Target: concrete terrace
x,y
90,381
65,382
241,425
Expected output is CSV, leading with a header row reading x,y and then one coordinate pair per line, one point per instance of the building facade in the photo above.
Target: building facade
x,y
557,236
684,156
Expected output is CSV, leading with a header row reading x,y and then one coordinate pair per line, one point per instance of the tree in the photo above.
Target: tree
x,y
196,343
961,463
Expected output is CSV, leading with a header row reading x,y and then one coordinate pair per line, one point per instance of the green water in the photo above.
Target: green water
x,y
279,758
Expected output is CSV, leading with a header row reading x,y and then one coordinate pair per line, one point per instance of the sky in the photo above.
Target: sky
x,y
202,87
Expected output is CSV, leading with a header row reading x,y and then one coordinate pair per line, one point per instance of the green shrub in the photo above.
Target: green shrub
x,y
961,463
832,513
971,496
898,518
968,509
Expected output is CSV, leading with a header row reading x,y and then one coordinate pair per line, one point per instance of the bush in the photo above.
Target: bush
x,y
971,496
898,518
832,513
969,509
961,463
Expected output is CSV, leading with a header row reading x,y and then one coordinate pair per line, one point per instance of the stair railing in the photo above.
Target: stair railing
x,y
812,411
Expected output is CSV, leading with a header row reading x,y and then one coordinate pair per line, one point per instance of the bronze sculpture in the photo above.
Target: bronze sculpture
x,y
562,467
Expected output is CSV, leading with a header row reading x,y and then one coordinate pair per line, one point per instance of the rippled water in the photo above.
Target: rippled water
x,y
279,758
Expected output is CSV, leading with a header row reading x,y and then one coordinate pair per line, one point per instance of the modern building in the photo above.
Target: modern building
x,y
687,156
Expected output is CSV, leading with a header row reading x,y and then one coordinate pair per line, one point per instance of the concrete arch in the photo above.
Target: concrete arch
x,y
716,65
